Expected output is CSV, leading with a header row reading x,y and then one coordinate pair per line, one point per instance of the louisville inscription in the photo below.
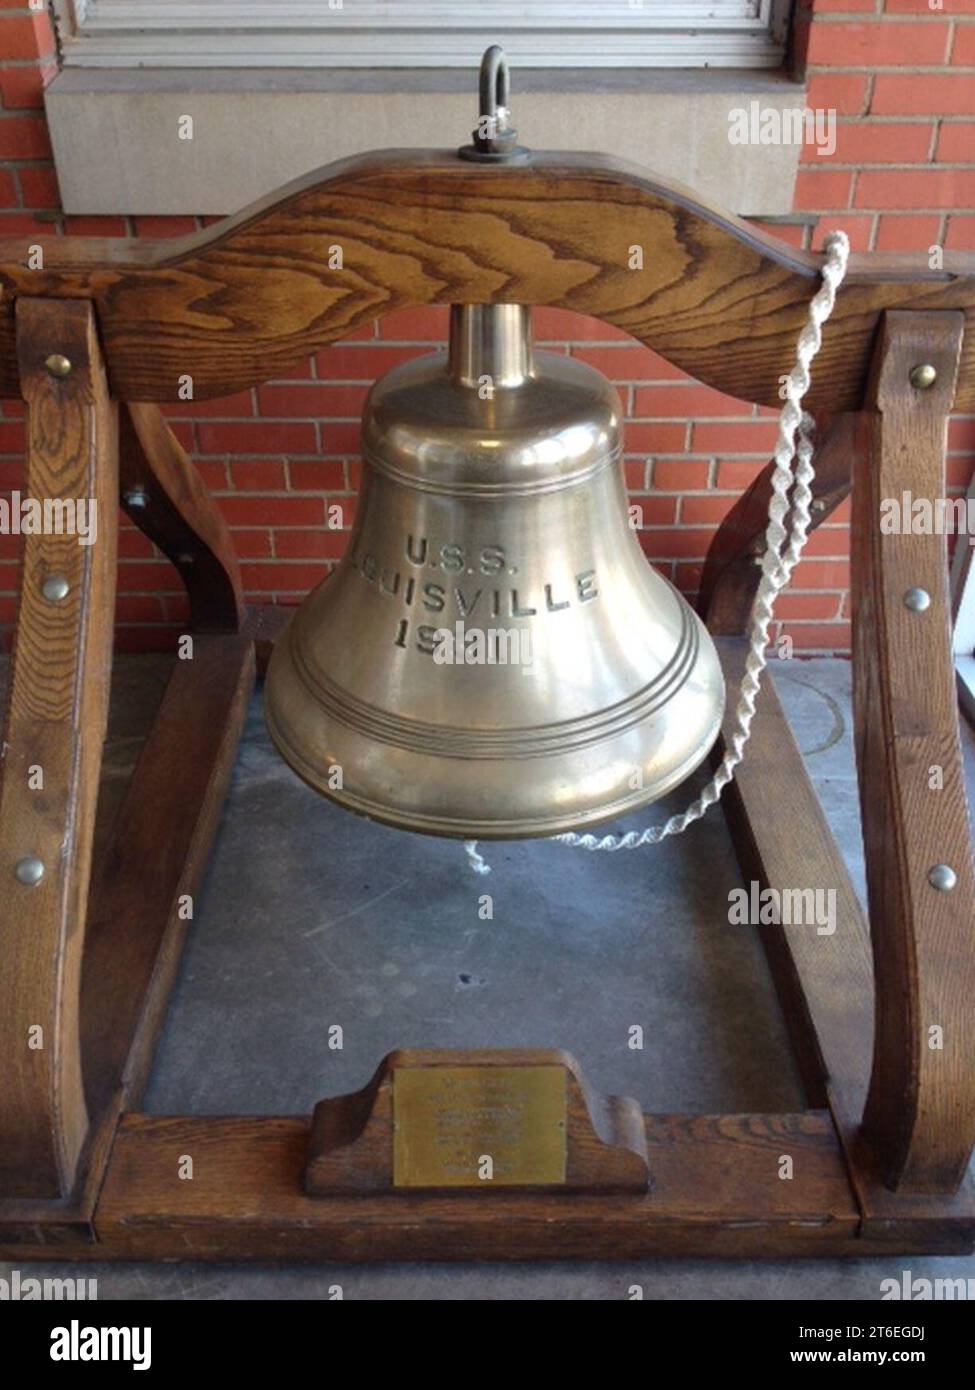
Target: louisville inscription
x,y
469,585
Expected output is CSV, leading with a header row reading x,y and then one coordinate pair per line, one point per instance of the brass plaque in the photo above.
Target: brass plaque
x,y
452,1126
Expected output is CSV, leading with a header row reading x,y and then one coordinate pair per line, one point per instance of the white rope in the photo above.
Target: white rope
x,y
477,862
793,473
782,551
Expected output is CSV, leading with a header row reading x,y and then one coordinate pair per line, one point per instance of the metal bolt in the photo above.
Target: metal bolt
x,y
942,877
29,870
55,588
136,497
57,364
917,600
819,505
923,376
185,558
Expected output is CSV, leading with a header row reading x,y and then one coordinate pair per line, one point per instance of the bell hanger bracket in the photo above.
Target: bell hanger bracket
x,y
494,139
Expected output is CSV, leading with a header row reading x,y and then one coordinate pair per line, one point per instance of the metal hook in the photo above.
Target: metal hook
x,y
495,141
494,83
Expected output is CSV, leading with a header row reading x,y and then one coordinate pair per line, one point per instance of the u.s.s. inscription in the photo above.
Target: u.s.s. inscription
x,y
446,582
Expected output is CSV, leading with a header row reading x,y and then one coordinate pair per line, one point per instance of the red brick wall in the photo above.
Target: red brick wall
x,y
902,79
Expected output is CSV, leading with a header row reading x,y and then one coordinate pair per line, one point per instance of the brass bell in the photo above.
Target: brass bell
x,y
494,657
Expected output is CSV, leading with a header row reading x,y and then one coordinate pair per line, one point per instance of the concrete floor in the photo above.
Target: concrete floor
x,y
311,917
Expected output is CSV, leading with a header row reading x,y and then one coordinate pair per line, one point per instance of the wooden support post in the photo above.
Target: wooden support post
x,y
732,572
919,1122
824,982
53,745
153,863
168,500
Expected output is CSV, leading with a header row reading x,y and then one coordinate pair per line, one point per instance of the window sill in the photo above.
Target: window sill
x,y
117,147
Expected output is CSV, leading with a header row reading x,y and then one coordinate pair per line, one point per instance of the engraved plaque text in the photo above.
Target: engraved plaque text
x,y
447,1121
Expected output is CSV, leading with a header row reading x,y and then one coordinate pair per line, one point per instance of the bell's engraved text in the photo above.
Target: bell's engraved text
x,y
468,599
489,559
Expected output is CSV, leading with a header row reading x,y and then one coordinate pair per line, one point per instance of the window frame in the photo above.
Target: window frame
x,y
432,33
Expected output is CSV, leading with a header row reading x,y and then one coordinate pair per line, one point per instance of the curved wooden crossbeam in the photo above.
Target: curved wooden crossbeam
x,y
240,302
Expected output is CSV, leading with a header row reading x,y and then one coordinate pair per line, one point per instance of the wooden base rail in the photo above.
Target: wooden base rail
x,y
716,1193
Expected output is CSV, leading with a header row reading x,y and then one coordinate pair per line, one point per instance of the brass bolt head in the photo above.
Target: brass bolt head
x,y
57,364
55,588
29,871
923,376
942,877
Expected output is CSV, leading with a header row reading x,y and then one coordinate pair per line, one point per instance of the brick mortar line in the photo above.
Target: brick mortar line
x,y
344,419
878,17
885,119
898,212
730,455
935,166
895,69
890,122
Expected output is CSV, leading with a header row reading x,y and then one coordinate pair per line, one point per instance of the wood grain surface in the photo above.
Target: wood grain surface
x,y
716,1192
353,1135
173,507
56,720
919,1123
155,857
244,300
784,841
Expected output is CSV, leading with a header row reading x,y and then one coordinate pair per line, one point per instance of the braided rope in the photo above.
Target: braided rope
x,y
793,472
794,442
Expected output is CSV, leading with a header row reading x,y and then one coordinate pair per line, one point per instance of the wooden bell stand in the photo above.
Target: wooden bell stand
x,y
96,333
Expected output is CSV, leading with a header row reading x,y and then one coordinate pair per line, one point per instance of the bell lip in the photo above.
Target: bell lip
x,y
454,829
